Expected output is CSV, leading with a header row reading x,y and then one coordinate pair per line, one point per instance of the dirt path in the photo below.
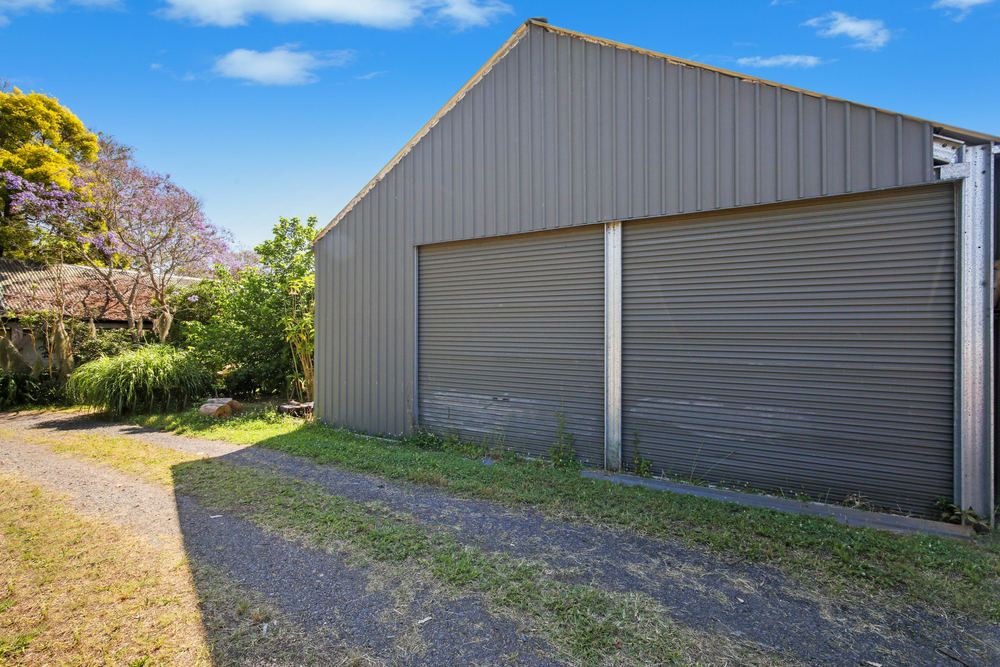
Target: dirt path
x,y
149,509
752,606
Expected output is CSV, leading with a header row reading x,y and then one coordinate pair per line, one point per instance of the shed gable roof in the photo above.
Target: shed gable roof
x,y
839,146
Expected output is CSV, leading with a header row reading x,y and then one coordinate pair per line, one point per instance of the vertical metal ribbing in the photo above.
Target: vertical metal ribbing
x,y
801,147
778,174
872,141
974,465
718,145
847,148
899,150
824,160
680,138
415,410
699,145
736,142
613,345
756,144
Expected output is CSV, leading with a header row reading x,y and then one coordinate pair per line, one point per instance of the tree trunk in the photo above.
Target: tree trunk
x,y
162,325
215,410
235,406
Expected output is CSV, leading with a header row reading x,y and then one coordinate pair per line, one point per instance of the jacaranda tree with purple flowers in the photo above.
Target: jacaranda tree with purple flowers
x,y
40,210
140,220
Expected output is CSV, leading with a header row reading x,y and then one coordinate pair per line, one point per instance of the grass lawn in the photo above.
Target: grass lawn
x,y
957,576
588,624
78,591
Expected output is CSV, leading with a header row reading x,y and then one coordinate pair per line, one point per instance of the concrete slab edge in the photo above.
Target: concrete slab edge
x,y
844,515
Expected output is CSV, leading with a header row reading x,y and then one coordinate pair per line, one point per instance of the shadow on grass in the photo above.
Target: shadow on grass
x,y
931,573
924,574
322,601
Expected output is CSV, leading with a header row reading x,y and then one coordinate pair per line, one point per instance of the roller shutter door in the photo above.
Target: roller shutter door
x,y
511,340
807,347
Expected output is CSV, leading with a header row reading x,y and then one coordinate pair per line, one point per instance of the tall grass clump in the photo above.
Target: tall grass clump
x,y
150,379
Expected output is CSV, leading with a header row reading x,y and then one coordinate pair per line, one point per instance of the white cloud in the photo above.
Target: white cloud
x,y
781,61
278,67
867,33
7,6
372,13
21,6
470,12
963,6
160,67
371,75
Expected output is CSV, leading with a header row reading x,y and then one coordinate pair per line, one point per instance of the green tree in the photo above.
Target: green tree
x,y
260,336
287,256
43,142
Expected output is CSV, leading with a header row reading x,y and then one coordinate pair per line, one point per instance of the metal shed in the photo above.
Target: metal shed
x,y
735,280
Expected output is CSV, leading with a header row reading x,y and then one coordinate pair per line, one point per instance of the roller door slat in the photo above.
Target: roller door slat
x,y
511,333
809,350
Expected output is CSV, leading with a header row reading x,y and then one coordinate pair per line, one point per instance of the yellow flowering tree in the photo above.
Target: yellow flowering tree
x,y
42,142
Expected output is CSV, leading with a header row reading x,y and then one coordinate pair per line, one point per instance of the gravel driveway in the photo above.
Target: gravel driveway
x,y
751,606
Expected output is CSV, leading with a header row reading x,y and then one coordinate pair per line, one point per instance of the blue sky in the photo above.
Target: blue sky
x,y
287,108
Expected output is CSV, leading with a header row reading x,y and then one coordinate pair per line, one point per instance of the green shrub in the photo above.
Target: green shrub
x,y
107,343
150,379
18,389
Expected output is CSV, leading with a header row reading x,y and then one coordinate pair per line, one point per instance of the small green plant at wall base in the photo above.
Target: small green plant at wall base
x,y
423,439
952,513
642,467
562,453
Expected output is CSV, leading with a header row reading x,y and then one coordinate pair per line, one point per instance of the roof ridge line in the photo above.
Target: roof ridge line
x,y
754,79
519,34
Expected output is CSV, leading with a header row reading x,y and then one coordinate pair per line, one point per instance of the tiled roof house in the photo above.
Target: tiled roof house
x,y
76,290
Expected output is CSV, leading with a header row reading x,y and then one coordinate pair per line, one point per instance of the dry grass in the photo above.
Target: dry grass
x,y
150,462
82,591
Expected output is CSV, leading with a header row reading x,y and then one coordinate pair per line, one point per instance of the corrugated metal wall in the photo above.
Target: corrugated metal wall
x,y
364,320
806,347
564,132
511,340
